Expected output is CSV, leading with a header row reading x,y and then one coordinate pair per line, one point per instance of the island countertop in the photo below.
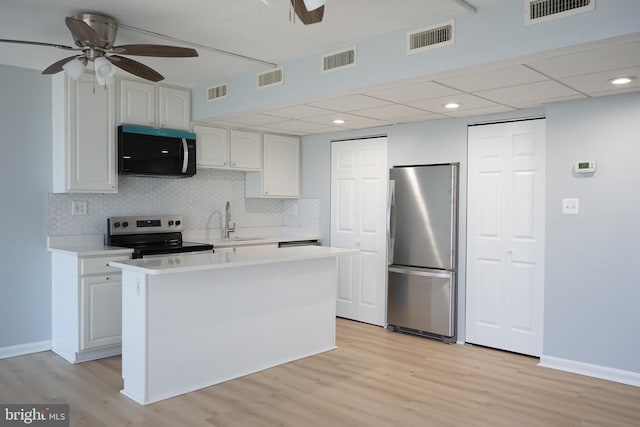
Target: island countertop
x,y
241,256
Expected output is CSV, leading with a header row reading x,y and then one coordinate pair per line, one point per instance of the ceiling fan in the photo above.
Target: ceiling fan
x,y
309,11
95,35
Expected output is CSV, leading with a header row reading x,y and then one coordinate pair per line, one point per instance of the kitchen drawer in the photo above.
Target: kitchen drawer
x,y
98,265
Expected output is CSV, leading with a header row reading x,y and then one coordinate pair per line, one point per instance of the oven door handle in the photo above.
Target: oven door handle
x,y
185,161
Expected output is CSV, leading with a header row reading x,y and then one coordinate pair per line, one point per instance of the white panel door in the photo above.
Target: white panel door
x,y
505,236
359,177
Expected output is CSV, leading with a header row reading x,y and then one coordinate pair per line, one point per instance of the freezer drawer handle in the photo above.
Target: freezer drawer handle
x,y
418,273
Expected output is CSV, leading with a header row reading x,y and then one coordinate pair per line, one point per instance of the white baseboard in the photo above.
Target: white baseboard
x,y
22,349
596,371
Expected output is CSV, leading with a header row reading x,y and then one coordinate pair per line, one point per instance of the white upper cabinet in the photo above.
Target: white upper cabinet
x,y
245,150
219,148
174,107
280,176
149,104
84,139
212,147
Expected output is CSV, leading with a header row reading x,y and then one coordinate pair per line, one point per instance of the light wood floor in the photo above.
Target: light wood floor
x,y
374,378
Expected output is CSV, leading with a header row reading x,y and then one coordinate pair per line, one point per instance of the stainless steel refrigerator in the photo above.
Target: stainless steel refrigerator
x,y
422,236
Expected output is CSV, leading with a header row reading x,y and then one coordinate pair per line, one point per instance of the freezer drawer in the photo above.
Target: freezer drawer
x,y
422,300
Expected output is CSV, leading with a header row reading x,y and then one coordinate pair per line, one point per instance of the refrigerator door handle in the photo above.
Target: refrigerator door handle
x,y
412,272
391,221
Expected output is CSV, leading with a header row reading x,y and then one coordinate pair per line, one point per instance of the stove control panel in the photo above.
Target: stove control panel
x,y
147,224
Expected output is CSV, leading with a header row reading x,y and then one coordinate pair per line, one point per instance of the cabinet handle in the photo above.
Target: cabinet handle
x,y
108,278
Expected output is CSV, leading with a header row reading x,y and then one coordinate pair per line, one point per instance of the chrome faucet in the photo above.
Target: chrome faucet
x,y
227,220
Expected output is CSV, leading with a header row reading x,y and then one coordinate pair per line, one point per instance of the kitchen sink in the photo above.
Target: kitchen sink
x,y
244,239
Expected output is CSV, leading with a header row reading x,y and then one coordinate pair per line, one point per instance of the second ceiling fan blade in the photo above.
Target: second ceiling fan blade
x,y
135,67
81,31
56,67
59,46
307,17
155,50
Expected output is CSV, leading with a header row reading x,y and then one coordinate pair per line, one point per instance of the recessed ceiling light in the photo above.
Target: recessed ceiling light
x,y
622,80
338,121
452,105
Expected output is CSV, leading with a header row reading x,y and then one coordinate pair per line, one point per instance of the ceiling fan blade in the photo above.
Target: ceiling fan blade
x,y
81,31
56,67
307,17
59,46
155,50
135,67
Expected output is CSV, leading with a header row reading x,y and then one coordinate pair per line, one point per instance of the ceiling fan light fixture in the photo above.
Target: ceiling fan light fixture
x,y
105,71
74,68
313,4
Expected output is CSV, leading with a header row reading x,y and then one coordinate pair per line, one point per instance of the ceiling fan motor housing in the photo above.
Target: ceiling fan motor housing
x,y
105,27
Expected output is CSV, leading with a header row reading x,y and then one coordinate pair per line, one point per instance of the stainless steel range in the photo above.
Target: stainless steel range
x,y
151,235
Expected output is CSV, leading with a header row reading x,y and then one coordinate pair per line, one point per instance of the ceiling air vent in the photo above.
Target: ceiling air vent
x,y
544,10
217,92
431,37
339,60
271,78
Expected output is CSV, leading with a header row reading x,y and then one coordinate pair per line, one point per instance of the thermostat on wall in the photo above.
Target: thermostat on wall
x,y
585,167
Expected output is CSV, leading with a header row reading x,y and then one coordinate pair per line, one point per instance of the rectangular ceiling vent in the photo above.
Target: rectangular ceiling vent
x,y
271,78
431,37
339,60
544,10
217,92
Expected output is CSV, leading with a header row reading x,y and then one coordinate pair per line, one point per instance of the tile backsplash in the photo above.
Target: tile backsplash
x,y
200,199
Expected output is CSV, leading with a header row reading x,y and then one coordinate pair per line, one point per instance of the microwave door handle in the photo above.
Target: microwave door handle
x,y
185,161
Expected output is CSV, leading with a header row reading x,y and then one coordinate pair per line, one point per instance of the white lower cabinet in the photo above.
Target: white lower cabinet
x,y
87,306
101,311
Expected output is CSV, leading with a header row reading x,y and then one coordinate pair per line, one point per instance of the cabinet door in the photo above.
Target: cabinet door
x,y
245,150
281,166
212,147
101,311
137,103
174,108
91,161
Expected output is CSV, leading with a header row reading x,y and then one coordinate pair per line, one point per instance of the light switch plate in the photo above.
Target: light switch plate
x,y
78,207
570,206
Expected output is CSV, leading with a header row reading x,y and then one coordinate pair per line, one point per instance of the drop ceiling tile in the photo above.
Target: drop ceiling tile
x,y
599,82
351,121
525,93
624,55
296,112
479,111
349,103
393,113
522,105
494,79
412,92
466,101
254,119
293,125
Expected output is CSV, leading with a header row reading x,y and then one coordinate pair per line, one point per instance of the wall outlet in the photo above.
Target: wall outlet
x,y
295,209
78,207
570,206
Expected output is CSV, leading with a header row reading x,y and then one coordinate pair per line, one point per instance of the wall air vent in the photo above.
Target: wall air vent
x,y
217,92
270,78
339,60
431,37
536,11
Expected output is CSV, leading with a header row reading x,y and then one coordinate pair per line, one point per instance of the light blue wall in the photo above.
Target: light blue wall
x,y
496,33
592,281
592,290
25,180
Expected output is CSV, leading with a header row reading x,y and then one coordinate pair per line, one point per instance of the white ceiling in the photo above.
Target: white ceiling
x,y
249,27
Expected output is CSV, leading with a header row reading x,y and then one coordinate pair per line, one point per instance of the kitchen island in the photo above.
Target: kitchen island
x,y
194,320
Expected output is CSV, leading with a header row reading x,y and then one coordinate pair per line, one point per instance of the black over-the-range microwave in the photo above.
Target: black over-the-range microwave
x,y
156,152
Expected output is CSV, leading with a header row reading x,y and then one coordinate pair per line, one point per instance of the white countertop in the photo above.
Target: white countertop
x,y
89,245
241,256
